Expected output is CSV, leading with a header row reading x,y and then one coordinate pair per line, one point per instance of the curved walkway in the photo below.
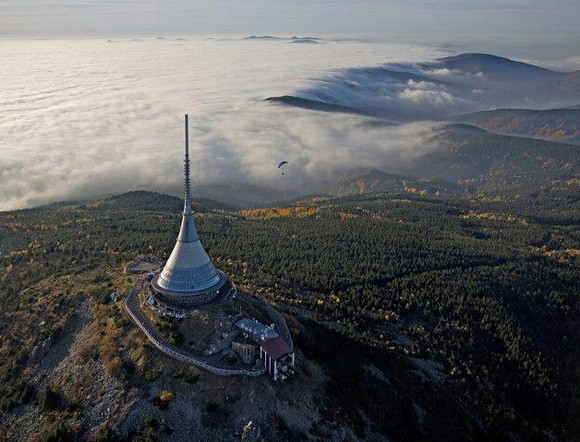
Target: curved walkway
x,y
132,307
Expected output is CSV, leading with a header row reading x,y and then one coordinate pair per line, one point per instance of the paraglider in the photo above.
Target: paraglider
x,y
282,163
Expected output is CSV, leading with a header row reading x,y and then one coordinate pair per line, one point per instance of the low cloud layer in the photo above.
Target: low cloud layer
x,y
86,118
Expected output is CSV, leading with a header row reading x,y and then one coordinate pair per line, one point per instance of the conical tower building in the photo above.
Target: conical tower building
x,y
188,277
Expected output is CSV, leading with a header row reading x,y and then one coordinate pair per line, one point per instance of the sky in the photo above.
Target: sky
x,y
528,29
548,19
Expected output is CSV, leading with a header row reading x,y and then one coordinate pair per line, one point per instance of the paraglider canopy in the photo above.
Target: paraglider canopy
x,y
281,163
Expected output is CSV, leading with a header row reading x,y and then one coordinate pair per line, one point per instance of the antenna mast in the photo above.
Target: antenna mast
x,y
187,181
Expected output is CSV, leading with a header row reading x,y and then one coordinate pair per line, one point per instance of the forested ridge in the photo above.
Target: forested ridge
x,y
486,288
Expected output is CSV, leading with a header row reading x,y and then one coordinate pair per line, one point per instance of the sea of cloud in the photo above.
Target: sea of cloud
x,y
82,118
89,117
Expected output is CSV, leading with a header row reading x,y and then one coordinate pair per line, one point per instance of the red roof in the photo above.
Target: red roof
x,y
276,347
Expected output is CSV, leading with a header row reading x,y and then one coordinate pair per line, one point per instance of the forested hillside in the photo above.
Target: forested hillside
x,y
431,317
552,124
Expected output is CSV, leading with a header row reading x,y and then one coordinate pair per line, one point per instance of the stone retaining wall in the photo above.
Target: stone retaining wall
x,y
132,307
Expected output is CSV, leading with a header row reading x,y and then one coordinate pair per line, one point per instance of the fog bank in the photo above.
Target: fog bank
x,y
90,117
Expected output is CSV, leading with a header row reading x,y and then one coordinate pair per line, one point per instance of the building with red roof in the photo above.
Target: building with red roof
x,y
278,357
276,353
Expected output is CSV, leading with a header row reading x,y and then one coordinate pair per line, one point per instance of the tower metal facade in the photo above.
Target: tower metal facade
x,y
188,277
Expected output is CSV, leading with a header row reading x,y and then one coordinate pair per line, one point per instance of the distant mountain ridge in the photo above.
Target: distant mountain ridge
x,y
314,105
505,69
154,201
293,39
561,125
261,37
438,89
473,161
499,67
569,83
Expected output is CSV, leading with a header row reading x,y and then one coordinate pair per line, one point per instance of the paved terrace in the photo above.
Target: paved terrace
x,y
209,363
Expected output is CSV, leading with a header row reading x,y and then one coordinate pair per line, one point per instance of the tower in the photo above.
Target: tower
x,y
189,277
